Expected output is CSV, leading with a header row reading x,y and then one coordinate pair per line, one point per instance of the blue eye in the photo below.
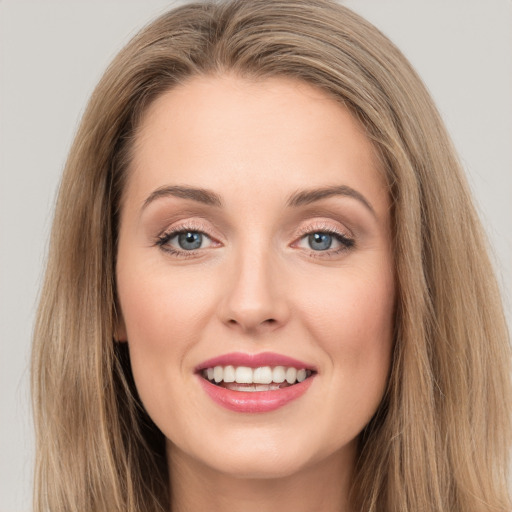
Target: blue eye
x,y
320,241
186,242
183,242
190,240
325,242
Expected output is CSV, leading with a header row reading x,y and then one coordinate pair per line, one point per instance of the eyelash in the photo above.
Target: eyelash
x,y
164,239
346,242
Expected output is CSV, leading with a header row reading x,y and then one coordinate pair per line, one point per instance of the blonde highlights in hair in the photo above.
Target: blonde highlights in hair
x,y
440,439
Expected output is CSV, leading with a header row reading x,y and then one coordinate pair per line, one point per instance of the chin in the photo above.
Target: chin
x,y
260,467
258,455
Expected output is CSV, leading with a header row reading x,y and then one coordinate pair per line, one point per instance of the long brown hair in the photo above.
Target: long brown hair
x,y
440,439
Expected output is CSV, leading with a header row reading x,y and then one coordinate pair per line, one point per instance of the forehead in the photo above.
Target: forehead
x,y
227,131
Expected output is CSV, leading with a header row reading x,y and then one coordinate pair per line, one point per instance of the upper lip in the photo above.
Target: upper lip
x,y
254,361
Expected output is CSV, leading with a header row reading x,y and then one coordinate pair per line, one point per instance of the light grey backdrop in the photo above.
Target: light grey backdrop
x,y
53,52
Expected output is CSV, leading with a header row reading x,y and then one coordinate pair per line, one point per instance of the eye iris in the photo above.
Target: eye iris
x,y
190,240
320,241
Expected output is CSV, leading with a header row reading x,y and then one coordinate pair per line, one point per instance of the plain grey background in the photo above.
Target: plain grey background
x,y
53,52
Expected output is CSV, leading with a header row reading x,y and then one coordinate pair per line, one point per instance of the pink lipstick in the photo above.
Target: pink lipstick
x,y
254,361
254,382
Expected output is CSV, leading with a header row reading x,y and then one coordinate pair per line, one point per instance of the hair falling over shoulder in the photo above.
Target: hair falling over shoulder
x,y
441,437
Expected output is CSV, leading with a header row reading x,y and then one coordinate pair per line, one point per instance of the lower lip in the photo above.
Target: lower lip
x,y
255,401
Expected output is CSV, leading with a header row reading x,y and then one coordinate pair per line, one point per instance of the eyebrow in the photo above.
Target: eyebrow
x,y
304,197
200,195
298,198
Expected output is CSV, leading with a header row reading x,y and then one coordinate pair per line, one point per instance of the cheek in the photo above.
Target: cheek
x,y
163,320
159,308
353,314
353,322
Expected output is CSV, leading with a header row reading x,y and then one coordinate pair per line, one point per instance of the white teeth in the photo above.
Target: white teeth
x,y
218,373
229,374
263,375
291,375
279,374
252,387
243,375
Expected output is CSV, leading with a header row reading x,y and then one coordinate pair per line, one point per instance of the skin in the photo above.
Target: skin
x,y
256,285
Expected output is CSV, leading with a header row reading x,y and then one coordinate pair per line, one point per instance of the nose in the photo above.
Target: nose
x,y
254,298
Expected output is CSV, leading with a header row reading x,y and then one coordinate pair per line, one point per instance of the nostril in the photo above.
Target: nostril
x,y
269,321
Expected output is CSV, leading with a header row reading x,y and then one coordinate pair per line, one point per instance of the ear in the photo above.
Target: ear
x,y
120,329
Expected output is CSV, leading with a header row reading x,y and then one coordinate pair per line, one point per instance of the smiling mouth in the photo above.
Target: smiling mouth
x,y
264,378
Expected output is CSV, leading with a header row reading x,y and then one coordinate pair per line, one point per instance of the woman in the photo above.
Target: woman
x,y
267,286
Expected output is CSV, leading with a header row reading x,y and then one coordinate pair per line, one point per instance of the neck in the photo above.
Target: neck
x,y
323,487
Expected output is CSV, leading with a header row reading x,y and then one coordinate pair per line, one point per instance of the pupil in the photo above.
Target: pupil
x,y
190,240
320,241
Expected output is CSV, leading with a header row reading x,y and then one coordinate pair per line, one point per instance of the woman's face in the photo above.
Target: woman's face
x,y
255,245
